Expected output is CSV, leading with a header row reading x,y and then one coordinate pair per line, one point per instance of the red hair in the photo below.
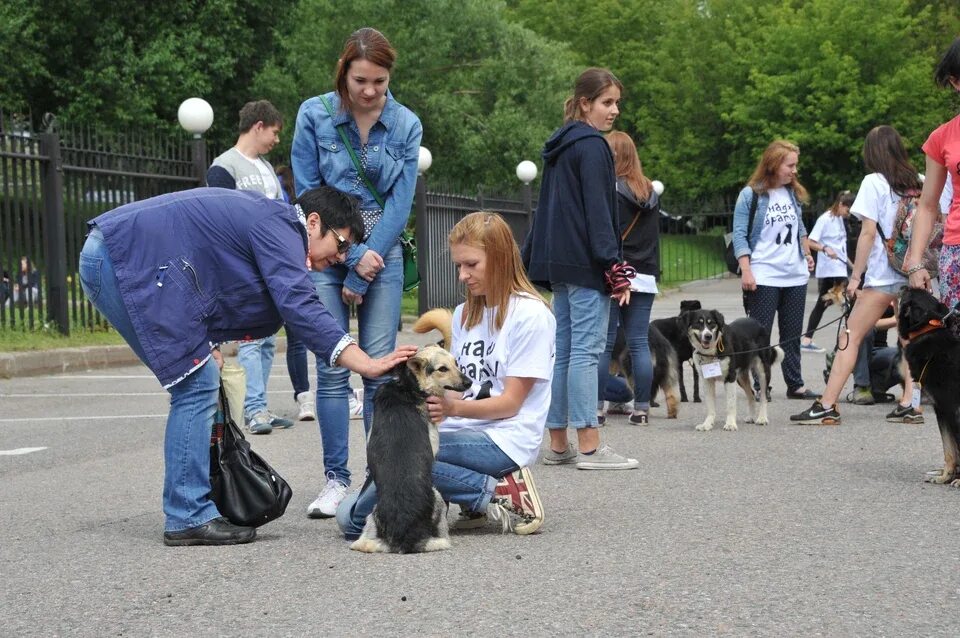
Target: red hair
x,y
363,44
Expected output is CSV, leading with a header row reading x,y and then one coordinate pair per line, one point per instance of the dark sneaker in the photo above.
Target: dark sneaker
x,y
816,414
861,396
259,423
279,422
640,418
566,457
516,503
905,414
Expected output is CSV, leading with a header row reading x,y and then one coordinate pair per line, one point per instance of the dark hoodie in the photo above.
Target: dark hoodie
x,y
573,238
641,246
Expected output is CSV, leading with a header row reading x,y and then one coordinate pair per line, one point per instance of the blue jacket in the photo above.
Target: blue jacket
x,y
318,158
212,265
743,245
573,238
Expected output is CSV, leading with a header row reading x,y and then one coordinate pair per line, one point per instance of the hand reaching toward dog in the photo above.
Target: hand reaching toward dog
x,y
353,358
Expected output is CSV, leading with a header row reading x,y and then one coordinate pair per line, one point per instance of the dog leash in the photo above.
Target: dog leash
x,y
846,313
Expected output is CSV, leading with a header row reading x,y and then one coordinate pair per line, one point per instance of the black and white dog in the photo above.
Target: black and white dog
x,y
664,362
729,352
933,354
672,330
410,515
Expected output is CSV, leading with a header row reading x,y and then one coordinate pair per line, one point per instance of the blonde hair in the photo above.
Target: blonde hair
x,y
626,164
773,156
505,274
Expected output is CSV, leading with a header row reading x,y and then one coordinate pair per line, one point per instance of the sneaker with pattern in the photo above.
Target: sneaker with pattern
x,y
516,503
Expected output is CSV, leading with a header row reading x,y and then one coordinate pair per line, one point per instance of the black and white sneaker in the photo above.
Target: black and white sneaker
x,y
816,414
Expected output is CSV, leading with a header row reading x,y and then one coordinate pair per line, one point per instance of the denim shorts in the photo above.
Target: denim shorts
x,y
889,289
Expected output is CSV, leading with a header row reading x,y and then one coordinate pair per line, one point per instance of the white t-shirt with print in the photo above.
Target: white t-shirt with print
x,y
830,231
776,259
524,347
269,178
877,202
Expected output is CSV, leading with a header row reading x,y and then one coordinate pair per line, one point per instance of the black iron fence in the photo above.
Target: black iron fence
x,y
53,182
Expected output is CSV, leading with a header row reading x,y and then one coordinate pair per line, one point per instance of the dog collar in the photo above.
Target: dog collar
x,y
933,324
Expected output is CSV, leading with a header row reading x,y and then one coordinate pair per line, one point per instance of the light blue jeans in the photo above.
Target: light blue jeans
x,y
635,319
377,318
467,469
193,401
256,357
581,315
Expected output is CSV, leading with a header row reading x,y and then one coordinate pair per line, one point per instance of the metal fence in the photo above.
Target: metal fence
x,y
53,182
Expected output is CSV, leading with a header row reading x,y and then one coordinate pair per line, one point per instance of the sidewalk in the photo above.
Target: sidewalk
x,y
722,294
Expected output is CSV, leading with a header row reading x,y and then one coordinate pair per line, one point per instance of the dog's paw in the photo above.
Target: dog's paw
x,y
762,420
706,426
730,426
367,545
436,544
943,478
750,419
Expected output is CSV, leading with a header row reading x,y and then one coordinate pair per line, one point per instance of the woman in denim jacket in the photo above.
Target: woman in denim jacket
x,y
775,260
385,136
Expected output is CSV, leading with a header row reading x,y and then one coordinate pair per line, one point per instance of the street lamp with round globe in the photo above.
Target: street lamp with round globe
x,y
195,115
424,160
657,186
526,171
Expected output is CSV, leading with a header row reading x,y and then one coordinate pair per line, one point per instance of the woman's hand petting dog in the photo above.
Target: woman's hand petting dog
x,y
353,358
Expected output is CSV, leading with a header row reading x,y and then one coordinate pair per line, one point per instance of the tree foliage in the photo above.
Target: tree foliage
x,y
126,64
487,91
710,82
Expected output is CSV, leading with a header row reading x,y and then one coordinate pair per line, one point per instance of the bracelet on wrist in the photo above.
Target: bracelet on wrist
x,y
917,268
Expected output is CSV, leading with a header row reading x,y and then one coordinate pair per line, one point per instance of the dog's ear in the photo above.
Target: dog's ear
x,y
684,320
718,318
415,364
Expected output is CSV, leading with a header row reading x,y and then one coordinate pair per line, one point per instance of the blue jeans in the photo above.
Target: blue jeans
x,y
581,315
377,318
466,472
616,390
193,401
256,357
635,318
297,364
861,369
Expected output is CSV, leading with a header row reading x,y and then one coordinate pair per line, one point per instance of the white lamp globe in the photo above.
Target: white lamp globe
x,y
425,160
526,171
657,186
195,115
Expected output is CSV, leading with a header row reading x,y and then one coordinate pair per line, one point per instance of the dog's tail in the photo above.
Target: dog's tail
x,y
776,355
439,319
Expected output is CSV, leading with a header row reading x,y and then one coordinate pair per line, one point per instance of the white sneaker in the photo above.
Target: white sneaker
x,y
325,505
356,404
605,459
308,410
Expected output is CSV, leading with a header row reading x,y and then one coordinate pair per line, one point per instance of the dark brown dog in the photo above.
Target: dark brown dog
x,y
672,331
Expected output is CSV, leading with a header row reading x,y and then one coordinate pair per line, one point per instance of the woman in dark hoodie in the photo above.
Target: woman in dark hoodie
x,y
639,207
573,249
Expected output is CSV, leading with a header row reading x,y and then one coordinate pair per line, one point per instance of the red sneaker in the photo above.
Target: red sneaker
x,y
517,494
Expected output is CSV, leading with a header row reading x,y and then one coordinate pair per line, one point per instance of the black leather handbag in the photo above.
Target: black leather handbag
x,y
243,486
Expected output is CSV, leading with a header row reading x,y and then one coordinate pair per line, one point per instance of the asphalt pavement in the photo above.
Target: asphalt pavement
x,y
779,530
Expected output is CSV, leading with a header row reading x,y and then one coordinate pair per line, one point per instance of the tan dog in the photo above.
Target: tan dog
x,y
439,319
836,295
410,515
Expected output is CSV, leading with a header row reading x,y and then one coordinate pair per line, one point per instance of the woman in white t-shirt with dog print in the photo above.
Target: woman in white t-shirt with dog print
x,y
892,175
503,340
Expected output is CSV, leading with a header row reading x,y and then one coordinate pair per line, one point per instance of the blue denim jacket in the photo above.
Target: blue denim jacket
x,y
319,158
743,245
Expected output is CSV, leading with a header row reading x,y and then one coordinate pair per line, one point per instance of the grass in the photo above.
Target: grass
x,y
683,258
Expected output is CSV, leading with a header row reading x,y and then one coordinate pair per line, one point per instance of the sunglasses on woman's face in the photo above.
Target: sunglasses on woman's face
x,y
343,244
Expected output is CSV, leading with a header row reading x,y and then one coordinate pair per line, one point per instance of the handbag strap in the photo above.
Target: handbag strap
x,y
353,155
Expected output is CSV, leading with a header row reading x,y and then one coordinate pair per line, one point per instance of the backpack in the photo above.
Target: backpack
x,y
897,244
729,257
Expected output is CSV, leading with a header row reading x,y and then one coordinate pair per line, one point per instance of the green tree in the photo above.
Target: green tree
x,y
488,91
126,64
